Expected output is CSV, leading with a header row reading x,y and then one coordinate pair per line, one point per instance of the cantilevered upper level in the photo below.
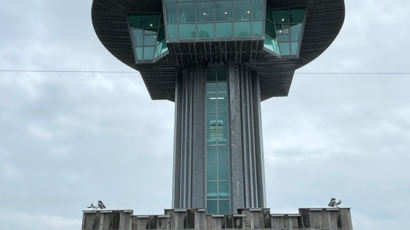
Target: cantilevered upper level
x,y
161,37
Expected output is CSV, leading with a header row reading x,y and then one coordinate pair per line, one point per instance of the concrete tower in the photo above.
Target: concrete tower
x,y
217,60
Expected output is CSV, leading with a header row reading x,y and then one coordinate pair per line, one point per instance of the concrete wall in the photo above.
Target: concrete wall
x,y
197,219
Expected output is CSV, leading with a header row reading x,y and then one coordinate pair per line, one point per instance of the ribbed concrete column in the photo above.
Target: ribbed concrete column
x,y
246,151
248,184
189,153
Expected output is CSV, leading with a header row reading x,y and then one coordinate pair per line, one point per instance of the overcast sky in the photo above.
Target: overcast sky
x,y
68,139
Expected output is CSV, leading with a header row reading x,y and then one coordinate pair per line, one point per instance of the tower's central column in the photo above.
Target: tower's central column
x,y
218,156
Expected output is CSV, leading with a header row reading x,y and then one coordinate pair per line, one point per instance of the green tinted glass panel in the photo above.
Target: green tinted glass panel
x,y
270,30
257,28
223,29
214,12
223,154
269,15
161,34
172,10
150,40
242,10
212,171
223,189
152,21
223,11
138,37
242,29
205,11
148,36
294,48
149,53
295,32
258,8
223,170
173,31
217,152
284,48
283,37
139,53
212,190
212,154
186,12
223,117
212,206
297,15
211,102
211,120
136,21
205,30
224,207
281,16
186,30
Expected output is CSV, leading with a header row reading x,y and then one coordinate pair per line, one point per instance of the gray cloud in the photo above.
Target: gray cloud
x,y
69,139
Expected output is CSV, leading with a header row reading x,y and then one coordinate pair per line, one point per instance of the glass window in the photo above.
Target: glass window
x,y
138,52
212,206
219,13
150,40
223,189
224,207
149,53
205,11
172,31
218,157
242,10
186,30
212,171
136,21
257,28
284,48
147,36
223,10
242,29
223,170
281,16
258,7
224,29
285,36
297,15
212,190
269,16
295,32
152,21
294,46
212,156
172,10
138,36
186,12
206,30
223,154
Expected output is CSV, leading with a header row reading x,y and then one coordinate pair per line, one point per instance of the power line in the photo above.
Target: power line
x,y
321,74
64,71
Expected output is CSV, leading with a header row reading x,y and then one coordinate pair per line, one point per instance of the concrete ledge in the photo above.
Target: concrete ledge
x,y
198,219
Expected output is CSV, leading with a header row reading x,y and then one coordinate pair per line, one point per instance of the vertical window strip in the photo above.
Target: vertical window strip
x,y
217,142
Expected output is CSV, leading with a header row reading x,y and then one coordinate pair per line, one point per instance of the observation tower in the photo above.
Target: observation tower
x,y
217,60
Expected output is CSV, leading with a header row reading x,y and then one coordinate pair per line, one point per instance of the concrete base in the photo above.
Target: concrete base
x,y
197,219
